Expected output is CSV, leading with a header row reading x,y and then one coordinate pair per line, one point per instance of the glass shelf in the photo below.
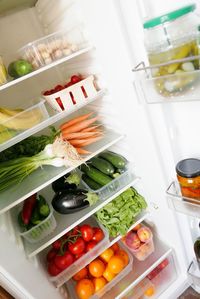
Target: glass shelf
x,y
177,202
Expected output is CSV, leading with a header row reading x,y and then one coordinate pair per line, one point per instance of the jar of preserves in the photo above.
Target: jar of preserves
x,y
173,36
3,72
188,174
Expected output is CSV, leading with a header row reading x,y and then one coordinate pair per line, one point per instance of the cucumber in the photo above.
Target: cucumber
x,y
43,206
96,175
102,165
91,183
35,217
116,160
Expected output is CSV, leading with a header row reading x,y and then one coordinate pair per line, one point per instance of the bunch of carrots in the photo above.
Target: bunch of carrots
x,y
81,131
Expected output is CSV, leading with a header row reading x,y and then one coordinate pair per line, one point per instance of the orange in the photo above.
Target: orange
x,y
84,288
106,255
115,247
150,291
80,274
96,268
99,283
116,264
108,275
124,256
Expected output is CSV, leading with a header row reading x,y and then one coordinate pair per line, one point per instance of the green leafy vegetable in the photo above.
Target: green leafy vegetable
x,y
118,215
28,147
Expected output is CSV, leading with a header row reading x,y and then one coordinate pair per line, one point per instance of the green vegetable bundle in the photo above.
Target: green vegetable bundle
x,y
118,215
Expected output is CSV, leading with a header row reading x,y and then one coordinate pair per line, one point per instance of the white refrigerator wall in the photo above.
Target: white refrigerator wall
x,y
116,31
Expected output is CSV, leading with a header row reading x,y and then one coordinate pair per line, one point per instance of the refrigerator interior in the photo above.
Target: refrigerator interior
x,y
119,46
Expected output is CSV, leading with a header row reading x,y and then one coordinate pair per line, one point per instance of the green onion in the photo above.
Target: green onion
x,y
60,153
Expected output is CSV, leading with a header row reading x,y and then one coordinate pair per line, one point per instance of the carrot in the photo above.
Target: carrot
x,y
90,129
85,142
75,120
79,126
78,135
82,151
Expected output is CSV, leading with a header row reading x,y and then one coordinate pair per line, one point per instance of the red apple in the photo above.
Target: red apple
x,y
144,234
132,240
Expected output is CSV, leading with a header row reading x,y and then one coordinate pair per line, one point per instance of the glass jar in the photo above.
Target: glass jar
x,y
3,72
188,174
171,37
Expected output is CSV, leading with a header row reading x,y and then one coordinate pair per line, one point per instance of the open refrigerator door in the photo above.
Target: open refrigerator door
x,y
81,56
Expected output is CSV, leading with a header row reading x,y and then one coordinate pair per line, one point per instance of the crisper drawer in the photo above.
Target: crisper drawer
x,y
109,285
156,282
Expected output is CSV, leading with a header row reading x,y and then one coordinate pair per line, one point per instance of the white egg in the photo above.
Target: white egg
x,y
66,51
188,66
41,47
48,60
58,54
45,55
73,47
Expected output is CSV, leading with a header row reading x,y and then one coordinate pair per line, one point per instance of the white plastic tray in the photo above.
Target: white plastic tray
x,y
73,95
65,275
71,284
115,185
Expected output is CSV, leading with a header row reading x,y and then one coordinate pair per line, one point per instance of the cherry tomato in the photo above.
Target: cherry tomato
x,y
58,100
81,274
77,247
75,231
97,268
51,254
68,84
87,232
84,288
58,88
90,245
47,93
64,261
98,234
75,79
57,244
53,270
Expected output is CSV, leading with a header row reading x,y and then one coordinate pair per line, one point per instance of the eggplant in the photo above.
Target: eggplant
x,y
67,182
71,201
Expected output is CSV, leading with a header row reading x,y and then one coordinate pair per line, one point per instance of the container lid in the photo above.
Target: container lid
x,y
188,168
169,16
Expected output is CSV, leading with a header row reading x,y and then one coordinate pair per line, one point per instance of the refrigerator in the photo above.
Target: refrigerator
x,y
151,134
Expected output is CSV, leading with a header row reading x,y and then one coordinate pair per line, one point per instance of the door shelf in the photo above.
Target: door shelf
x,y
44,176
194,275
177,202
46,67
49,121
177,87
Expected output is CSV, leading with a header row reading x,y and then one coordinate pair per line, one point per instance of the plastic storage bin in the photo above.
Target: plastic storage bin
x,y
73,95
145,249
194,275
116,184
48,49
71,284
22,121
65,275
41,230
138,291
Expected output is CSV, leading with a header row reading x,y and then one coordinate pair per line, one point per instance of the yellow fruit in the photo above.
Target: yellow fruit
x,y
108,275
106,255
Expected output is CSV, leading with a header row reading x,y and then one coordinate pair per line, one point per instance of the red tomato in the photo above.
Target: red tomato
x,y
57,244
90,245
53,270
52,91
68,84
74,232
47,93
77,256
77,247
98,234
87,232
64,261
51,254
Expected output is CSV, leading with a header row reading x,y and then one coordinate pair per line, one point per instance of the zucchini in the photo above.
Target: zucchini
x,y
96,175
91,183
117,160
102,165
